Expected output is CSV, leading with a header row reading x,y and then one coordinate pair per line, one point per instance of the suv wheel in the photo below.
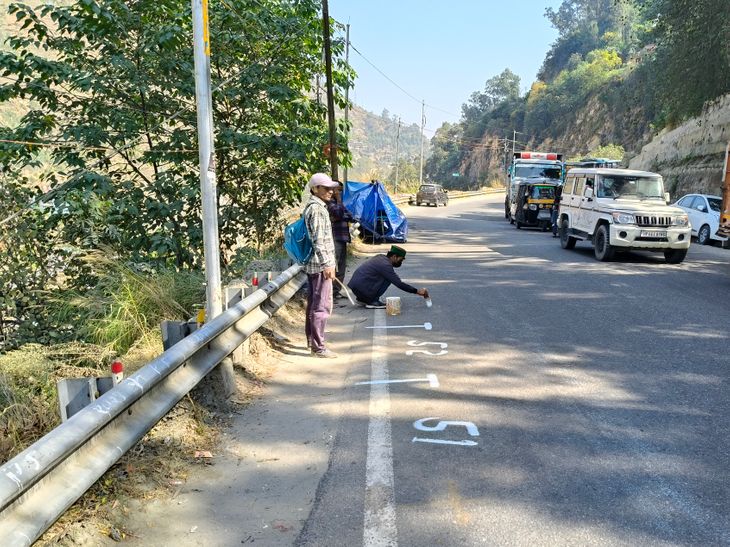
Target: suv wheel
x,y
601,246
675,256
566,241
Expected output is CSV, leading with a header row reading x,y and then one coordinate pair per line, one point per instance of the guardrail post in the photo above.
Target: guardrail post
x,y
233,295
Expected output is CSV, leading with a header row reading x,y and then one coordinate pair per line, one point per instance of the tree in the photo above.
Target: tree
x,y
692,60
112,107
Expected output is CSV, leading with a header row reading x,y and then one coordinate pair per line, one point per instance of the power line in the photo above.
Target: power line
x,y
397,85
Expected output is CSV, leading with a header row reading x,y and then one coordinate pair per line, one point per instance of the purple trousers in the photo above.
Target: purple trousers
x,y
319,308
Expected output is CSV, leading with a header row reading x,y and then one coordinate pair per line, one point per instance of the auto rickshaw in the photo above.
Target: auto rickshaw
x,y
533,204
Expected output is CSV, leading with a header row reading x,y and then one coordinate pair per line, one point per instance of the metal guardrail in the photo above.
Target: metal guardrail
x,y
40,483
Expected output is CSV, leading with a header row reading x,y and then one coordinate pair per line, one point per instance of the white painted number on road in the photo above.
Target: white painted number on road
x,y
442,425
470,427
416,343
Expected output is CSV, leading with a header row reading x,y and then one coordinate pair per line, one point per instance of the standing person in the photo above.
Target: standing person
x,y
556,210
340,218
373,277
321,266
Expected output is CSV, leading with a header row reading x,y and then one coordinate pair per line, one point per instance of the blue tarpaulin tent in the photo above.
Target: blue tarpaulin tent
x,y
371,206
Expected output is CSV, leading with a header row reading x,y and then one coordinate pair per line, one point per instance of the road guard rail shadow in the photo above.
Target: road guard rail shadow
x,y
40,483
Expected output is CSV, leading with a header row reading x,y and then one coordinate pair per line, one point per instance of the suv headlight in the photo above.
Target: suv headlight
x,y
623,218
680,220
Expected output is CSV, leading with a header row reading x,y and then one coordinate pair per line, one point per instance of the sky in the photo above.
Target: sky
x,y
440,51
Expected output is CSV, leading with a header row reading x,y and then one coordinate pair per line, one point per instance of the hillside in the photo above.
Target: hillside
x,y
618,75
372,142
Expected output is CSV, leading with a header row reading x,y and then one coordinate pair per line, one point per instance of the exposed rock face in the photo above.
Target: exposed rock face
x,y
691,156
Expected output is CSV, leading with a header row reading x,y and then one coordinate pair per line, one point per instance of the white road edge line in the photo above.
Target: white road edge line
x,y
379,525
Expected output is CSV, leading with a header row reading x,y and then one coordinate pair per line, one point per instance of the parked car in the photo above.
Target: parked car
x,y
432,194
704,215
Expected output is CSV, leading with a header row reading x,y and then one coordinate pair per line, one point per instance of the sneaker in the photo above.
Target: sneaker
x,y
375,305
325,354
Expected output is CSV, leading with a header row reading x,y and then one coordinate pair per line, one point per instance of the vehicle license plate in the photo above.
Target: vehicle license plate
x,y
543,214
653,233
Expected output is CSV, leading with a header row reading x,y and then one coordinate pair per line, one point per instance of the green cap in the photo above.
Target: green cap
x,y
398,251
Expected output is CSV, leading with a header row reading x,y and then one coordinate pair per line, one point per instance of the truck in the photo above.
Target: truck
x,y
531,167
724,228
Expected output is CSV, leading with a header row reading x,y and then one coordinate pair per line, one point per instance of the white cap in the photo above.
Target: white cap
x,y
322,179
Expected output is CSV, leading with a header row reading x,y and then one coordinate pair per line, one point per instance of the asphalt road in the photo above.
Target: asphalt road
x,y
557,400
592,397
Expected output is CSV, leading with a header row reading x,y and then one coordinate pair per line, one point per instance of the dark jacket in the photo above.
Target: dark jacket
x,y
371,276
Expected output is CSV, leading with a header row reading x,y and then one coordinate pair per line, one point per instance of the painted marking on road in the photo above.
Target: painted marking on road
x,y
379,525
426,325
417,344
430,378
443,424
442,441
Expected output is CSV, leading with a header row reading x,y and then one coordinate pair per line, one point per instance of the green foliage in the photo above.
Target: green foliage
x,y
408,175
500,95
550,106
127,302
587,25
610,151
28,399
373,144
112,107
447,153
692,56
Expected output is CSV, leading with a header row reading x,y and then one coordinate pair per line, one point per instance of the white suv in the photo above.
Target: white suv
x,y
621,209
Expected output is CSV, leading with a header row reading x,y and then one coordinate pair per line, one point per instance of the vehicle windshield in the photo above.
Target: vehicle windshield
x,y
542,192
427,188
627,186
531,171
715,204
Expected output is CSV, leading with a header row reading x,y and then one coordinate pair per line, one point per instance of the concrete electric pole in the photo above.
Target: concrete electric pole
x,y
423,124
208,189
397,140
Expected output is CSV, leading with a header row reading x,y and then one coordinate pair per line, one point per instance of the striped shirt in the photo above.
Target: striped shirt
x,y
317,220
340,218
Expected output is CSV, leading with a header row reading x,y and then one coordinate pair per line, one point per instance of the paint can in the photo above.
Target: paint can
x,y
392,305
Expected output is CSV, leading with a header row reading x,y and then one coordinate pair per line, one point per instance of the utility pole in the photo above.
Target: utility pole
x,y
514,138
208,190
330,96
347,95
423,124
397,140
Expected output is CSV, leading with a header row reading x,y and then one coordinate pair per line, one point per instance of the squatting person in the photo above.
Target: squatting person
x,y
373,277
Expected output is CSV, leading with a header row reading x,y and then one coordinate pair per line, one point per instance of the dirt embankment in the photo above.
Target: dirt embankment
x,y
691,156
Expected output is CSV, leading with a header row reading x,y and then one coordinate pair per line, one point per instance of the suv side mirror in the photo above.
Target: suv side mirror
x,y
588,193
666,197
702,209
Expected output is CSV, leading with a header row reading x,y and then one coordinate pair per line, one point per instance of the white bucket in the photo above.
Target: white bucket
x,y
392,305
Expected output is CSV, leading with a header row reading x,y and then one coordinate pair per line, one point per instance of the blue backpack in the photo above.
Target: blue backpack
x,y
297,243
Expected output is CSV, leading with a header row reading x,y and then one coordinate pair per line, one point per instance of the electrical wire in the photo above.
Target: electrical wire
x,y
420,101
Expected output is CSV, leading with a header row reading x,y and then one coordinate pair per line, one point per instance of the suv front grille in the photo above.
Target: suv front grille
x,y
653,220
